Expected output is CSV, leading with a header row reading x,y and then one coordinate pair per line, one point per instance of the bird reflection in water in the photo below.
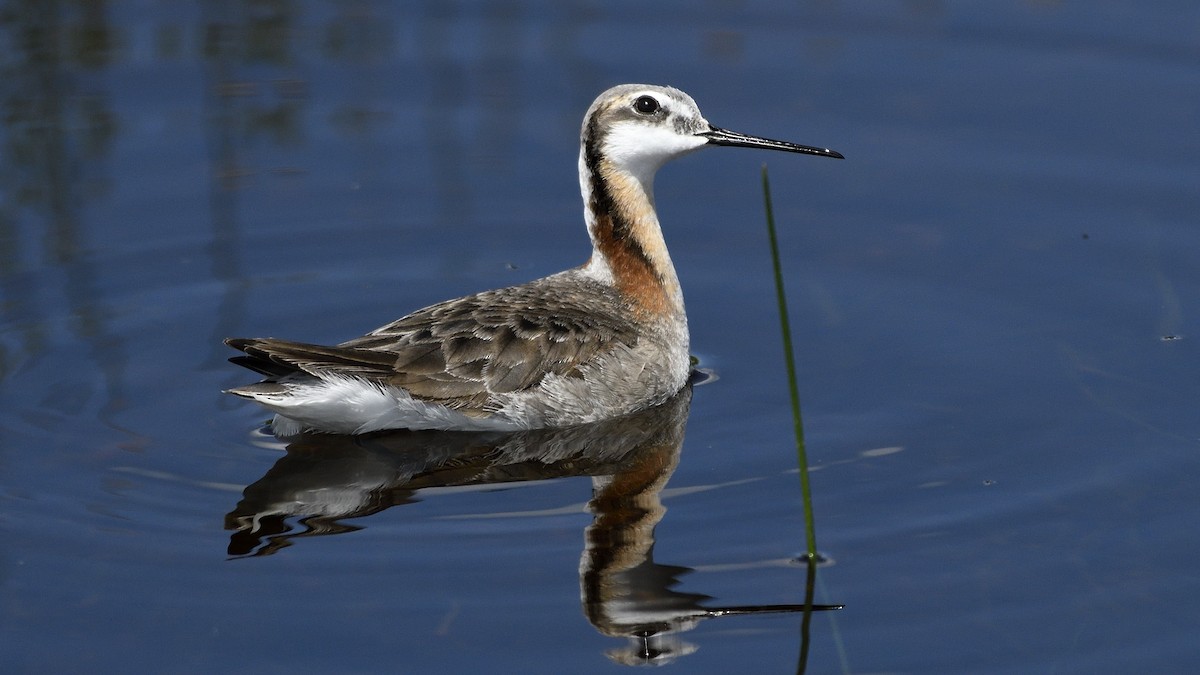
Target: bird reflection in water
x,y
325,479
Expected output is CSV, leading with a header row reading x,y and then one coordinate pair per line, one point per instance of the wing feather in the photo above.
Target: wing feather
x,y
462,352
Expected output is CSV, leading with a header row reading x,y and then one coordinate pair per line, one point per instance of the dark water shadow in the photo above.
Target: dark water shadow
x,y
57,134
324,480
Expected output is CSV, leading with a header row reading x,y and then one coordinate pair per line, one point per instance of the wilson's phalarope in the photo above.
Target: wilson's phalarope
x,y
593,342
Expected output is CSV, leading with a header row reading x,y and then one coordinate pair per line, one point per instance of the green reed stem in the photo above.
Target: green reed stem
x,y
790,360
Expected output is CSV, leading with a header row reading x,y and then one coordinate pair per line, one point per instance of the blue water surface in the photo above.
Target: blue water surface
x,y
993,303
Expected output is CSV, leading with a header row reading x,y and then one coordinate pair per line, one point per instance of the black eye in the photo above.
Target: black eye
x,y
647,105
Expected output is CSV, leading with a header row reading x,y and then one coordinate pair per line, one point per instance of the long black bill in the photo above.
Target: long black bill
x,y
718,136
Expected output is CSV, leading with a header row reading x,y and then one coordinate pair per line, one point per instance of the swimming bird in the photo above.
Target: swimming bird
x,y
604,339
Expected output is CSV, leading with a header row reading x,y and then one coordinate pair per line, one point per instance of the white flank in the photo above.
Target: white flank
x,y
347,405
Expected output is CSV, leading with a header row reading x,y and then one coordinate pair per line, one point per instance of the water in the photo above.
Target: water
x,y
992,296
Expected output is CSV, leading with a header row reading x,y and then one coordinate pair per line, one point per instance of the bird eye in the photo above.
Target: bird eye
x,y
647,105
